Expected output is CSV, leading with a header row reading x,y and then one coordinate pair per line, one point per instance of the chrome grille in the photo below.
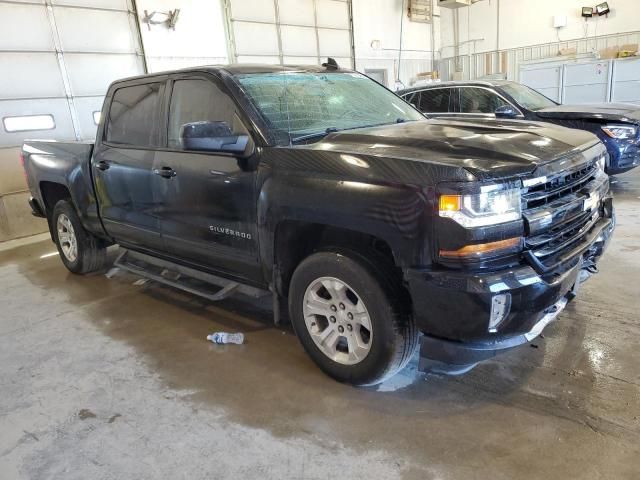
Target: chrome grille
x,y
556,218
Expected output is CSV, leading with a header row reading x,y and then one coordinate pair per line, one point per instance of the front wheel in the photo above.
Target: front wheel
x,y
79,250
348,316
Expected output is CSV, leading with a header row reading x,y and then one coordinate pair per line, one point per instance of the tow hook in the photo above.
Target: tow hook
x,y
593,268
590,266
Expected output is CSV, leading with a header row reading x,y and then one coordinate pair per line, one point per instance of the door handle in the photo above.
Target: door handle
x,y
165,172
102,165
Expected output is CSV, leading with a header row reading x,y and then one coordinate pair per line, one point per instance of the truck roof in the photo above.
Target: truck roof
x,y
468,83
238,69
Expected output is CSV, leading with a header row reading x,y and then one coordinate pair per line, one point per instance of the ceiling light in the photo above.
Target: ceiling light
x,y
587,12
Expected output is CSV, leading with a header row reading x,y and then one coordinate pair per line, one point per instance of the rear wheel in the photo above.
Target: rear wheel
x,y
80,251
348,316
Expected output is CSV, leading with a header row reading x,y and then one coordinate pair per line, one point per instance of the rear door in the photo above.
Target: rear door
x,y
208,204
123,164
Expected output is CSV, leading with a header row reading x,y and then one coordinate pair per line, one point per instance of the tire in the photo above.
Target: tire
x,y
369,351
80,251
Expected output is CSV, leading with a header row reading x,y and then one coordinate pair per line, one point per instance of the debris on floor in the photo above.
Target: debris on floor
x,y
224,337
139,282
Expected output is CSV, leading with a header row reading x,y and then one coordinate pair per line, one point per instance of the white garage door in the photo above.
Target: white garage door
x,y
290,31
586,82
545,79
626,84
57,58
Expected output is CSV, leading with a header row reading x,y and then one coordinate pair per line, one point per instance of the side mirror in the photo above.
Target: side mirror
x,y
213,137
506,111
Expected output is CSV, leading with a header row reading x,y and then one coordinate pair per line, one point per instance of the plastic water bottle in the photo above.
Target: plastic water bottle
x,y
223,337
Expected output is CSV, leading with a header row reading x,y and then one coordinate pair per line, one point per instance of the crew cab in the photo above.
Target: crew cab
x,y
382,230
617,125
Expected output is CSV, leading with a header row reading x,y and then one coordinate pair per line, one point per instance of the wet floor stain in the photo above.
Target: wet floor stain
x,y
85,414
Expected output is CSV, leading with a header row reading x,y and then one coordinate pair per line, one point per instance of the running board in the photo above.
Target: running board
x,y
183,278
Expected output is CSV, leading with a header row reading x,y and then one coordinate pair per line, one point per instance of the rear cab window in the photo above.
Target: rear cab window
x,y
135,115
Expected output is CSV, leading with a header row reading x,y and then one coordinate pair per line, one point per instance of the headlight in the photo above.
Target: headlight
x,y
621,132
482,209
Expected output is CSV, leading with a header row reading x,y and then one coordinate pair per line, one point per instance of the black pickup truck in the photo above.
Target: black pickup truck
x,y
383,230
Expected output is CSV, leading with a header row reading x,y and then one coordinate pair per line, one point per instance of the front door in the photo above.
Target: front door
x,y
123,165
208,207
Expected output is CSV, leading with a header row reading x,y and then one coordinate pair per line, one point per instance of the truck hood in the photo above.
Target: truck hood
x,y
617,112
489,150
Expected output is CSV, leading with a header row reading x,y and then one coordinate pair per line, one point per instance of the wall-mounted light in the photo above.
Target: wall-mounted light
x,y
603,9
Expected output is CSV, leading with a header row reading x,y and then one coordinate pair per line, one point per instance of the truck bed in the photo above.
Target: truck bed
x,y
55,169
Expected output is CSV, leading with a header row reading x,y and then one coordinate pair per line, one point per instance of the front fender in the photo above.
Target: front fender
x,y
396,214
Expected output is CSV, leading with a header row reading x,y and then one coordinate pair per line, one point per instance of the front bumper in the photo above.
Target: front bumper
x,y
453,308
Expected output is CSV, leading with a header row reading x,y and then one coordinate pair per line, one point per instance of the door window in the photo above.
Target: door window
x,y
134,116
436,100
479,100
200,100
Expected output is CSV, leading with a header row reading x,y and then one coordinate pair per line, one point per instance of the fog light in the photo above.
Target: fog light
x,y
500,308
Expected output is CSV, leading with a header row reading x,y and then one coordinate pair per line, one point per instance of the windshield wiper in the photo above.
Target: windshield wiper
x,y
314,135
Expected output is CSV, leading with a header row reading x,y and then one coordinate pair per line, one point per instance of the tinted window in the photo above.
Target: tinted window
x,y
436,100
199,100
413,98
479,100
134,117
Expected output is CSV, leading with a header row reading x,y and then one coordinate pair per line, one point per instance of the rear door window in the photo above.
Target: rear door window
x,y
436,100
135,115
479,100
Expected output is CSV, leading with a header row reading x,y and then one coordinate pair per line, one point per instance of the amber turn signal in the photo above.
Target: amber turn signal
x,y
450,203
469,251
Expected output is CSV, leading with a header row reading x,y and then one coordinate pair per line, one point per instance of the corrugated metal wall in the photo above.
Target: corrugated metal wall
x,y
57,58
290,31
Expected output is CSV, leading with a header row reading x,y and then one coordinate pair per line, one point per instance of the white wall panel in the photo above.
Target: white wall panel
x,y
333,13
303,61
626,86
586,82
59,108
546,80
199,33
94,30
23,73
334,43
256,10
110,4
91,74
161,64
258,59
246,35
85,108
296,12
24,27
299,41
293,29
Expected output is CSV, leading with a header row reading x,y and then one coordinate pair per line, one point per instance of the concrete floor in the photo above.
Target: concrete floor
x,y
101,379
